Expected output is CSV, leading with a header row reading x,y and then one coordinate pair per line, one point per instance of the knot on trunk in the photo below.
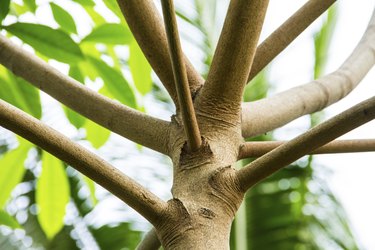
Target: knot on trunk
x,y
202,156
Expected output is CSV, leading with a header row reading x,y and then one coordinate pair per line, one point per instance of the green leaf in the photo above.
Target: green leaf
x,y
12,170
96,134
91,186
52,195
63,18
8,220
322,40
30,4
116,237
115,82
110,33
20,93
74,118
113,6
4,9
55,44
140,69
85,2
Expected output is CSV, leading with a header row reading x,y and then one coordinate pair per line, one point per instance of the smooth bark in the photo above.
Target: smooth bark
x,y
259,148
129,123
148,29
185,101
286,33
306,142
267,114
88,163
222,93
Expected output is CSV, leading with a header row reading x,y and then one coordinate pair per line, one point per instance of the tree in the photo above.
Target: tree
x,y
206,136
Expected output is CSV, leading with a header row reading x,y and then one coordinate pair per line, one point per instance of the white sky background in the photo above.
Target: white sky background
x,y
353,174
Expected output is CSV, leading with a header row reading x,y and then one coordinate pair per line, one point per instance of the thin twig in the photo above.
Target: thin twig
x,y
180,78
143,201
259,148
222,92
260,117
286,33
148,29
306,142
129,123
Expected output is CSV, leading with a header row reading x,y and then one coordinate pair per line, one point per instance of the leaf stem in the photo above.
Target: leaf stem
x,y
259,148
180,78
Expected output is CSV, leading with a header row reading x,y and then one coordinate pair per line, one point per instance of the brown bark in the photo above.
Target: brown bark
x,y
147,28
133,125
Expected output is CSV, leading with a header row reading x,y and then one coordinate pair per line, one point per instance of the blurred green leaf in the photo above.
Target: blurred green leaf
x,y
85,2
140,69
113,6
96,134
74,118
117,237
63,18
110,33
12,170
8,220
115,82
30,4
52,195
322,39
55,44
91,186
4,9
20,93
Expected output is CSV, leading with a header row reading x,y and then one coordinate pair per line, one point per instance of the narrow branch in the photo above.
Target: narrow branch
x,y
91,165
134,125
222,92
150,241
259,148
306,142
260,117
286,33
147,28
181,82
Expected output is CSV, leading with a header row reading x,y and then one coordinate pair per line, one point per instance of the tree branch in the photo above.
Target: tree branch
x,y
259,117
259,148
306,142
134,125
91,165
222,92
150,241
286,33
181,82
147,28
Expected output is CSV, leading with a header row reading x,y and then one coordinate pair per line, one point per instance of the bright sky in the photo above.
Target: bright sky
x,y
353,174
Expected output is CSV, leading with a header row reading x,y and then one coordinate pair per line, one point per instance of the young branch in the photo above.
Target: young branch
x,y
91,165
140,128
147,28
181,82
306,142
286,33
150,241
259,148
222,92
260,117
